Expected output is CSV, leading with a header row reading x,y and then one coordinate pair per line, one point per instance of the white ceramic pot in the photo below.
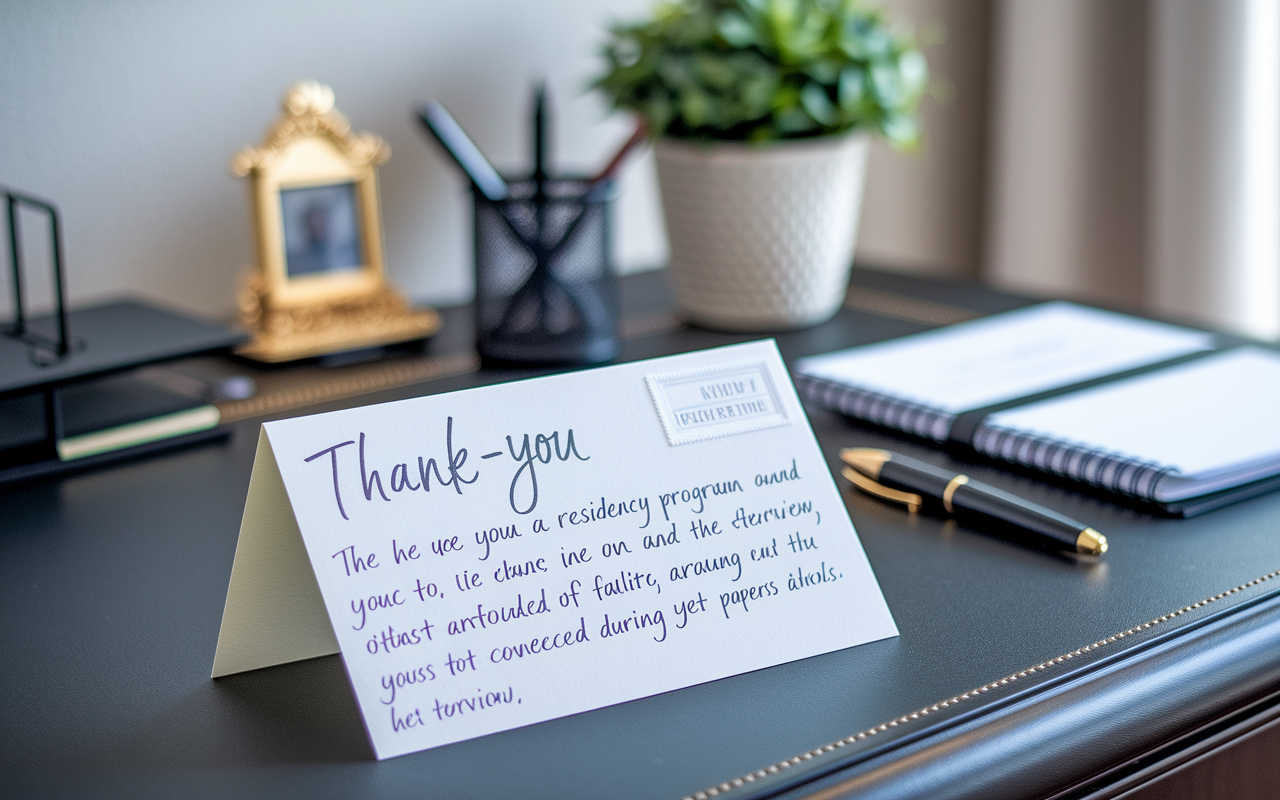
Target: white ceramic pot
x,y
761,237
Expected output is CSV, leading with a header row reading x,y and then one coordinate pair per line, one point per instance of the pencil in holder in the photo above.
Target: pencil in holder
x,y
545,286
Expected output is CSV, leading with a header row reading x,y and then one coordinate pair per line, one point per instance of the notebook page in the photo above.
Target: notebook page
x,y
1216,420
1006,356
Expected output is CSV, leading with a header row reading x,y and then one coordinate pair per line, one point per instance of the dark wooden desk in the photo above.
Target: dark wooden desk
x,y
1017,674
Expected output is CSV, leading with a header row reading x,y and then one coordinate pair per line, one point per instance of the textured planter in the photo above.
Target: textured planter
x,y
761,236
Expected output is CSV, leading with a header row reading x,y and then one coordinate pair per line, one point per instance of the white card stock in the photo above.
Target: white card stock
x,y
500,556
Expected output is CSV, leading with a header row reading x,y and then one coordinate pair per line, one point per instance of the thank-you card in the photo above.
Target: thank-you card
x,y
501,556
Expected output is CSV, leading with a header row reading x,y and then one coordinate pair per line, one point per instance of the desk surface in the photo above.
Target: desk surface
x,y
1017,673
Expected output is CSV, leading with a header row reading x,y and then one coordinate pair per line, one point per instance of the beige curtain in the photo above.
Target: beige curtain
x,y
1135,156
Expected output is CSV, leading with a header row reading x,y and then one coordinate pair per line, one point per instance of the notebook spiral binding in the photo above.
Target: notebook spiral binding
x,y
882,409
1101,468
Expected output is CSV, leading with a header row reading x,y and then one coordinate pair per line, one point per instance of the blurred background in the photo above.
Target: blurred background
x,y
1124,152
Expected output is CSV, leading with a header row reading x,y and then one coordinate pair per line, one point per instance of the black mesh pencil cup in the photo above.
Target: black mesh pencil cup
x,y
545,290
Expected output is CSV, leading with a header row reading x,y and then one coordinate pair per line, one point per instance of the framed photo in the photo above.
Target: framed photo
x,y
322,229
319,228
320,286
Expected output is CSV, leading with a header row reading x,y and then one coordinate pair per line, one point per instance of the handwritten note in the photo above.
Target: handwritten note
x,y
501,556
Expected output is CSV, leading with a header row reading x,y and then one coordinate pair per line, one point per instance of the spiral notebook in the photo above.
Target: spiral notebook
x,y
1143,409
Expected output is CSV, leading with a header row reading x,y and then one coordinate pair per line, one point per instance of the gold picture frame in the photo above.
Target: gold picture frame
x,y
320,286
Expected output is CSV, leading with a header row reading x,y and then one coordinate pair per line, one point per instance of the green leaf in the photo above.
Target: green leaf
x,y
849,88
886,85
901,130
675,73
815,101
876,42
914,71
659,112
695,107
736,30
825,71
759,70
794,121
757,95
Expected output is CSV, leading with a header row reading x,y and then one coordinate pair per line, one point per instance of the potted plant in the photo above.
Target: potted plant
x,y
760,110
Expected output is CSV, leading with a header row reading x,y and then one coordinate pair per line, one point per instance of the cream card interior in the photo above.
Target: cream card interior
x,y
497,557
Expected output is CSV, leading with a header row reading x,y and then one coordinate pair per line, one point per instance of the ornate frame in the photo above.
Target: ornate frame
x,y
311,144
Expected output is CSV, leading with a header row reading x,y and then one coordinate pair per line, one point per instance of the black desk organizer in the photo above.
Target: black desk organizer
x,y
41,357
545,289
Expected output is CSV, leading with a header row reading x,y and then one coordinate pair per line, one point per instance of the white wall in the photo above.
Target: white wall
x,y
128,112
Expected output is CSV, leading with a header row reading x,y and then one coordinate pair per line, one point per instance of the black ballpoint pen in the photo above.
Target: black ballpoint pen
x,y
459,146
916,484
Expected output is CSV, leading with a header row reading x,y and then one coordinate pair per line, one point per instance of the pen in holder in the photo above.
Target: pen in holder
x,y
545,287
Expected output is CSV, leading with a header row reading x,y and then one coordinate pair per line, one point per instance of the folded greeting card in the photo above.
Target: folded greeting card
x,y
500,556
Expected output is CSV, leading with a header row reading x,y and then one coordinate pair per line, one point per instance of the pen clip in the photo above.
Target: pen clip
x,y
911,500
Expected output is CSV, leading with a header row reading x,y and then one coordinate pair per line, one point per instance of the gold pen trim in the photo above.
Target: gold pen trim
x,y
912,501
1091,543
950,491
866,460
